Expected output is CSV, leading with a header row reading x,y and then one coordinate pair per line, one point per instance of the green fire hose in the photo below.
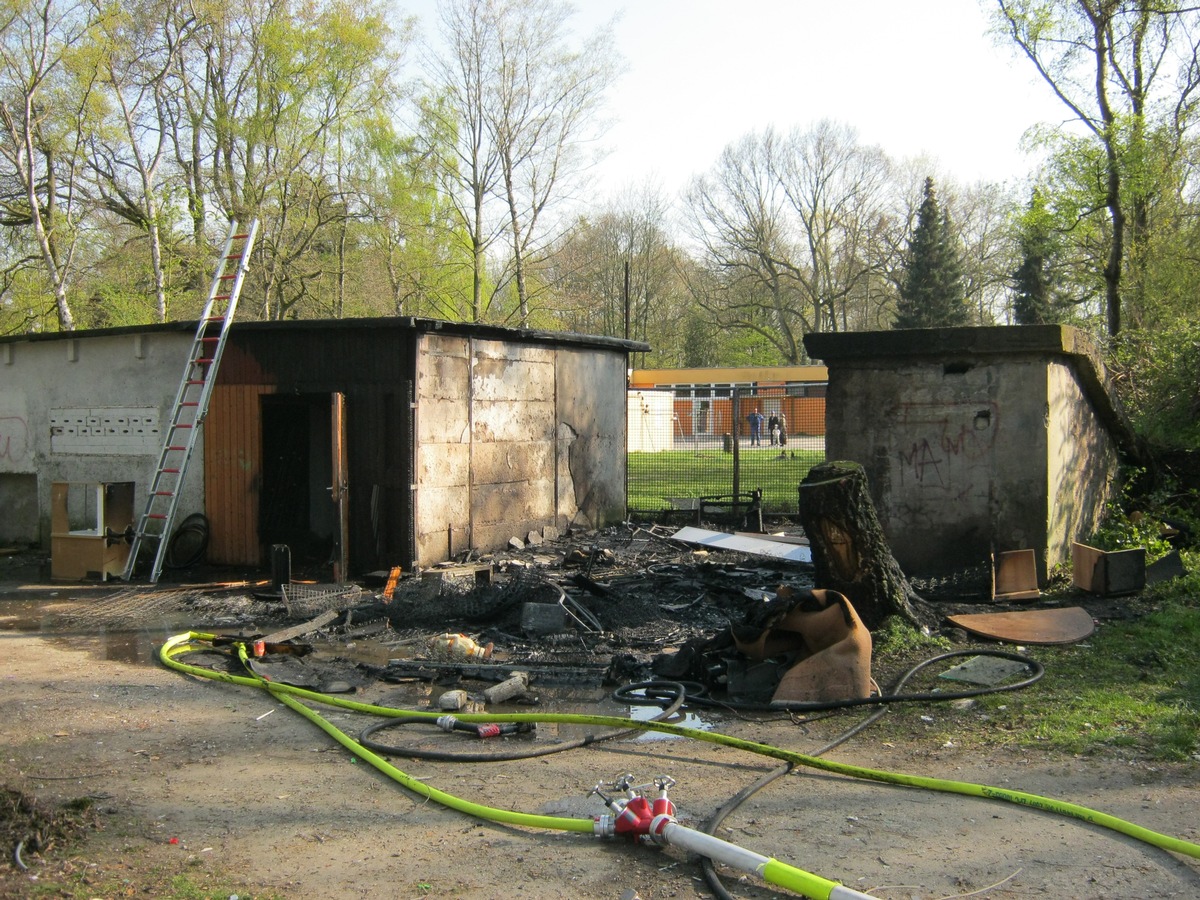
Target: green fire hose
x,y
771,870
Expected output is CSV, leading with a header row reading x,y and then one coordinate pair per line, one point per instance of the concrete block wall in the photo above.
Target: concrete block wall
x,y
85,410
510,439
974,440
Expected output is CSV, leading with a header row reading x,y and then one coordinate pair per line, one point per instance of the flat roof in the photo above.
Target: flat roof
x,y
405,323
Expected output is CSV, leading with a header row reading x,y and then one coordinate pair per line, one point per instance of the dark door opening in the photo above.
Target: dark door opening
x,y
295,506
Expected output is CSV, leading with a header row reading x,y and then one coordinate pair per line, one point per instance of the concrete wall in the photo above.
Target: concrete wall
x,y
1081,457
590,403
973,440
512,438
85,409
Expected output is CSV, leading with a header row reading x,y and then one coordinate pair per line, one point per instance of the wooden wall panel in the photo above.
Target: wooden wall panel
x,y
233,473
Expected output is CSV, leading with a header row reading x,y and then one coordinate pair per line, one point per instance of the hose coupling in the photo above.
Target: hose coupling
x,y
637,817
483,729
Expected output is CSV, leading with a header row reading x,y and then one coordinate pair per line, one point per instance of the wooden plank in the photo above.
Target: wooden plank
x,y
1108,572
1035,626
232,469
797,539
278,637
1014,575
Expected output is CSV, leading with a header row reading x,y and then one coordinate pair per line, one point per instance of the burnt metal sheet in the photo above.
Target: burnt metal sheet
x,y
743,543
1034,626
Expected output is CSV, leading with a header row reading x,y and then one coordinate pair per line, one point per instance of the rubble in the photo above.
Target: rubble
x,y
626,604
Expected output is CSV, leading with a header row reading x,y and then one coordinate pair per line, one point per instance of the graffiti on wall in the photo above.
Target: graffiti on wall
x,y
14,442
940,445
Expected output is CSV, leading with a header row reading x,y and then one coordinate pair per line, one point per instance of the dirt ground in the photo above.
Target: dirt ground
x,y
224,787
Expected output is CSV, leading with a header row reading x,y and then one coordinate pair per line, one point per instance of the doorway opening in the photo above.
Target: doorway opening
x,y
295,505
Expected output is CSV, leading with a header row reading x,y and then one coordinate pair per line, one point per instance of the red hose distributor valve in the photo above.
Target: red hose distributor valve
x,y
636,817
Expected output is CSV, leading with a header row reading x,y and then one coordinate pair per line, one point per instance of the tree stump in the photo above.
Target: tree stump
x,y
849,550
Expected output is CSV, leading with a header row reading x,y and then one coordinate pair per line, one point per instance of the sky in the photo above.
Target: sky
x,y
916,77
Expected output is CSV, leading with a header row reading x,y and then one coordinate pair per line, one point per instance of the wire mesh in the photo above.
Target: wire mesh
x,y
696,451
303,601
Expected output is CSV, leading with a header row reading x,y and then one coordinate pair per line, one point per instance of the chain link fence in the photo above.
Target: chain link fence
x,y
701,450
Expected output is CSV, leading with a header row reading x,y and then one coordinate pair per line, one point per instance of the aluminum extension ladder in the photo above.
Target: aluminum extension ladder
x,y
191,400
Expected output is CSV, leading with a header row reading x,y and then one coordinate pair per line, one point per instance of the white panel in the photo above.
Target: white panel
x,y
105,431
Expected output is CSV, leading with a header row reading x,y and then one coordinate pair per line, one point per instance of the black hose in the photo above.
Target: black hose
x,y
189,542
652,692
364,738
713,822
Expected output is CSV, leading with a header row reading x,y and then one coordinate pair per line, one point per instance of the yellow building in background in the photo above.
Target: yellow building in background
x,y
703,397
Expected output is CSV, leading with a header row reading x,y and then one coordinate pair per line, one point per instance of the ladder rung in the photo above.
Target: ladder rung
x,y
228,279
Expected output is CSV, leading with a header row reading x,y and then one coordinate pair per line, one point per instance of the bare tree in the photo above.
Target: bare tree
x,y
140,45
548,96
738,215
620,266
788,226
461,84
837,191
522,103
983,214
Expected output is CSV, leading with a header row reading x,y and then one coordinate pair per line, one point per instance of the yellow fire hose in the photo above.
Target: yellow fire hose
x,y
771,870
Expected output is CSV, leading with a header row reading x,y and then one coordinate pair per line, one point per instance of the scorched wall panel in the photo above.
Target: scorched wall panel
x,y
443,448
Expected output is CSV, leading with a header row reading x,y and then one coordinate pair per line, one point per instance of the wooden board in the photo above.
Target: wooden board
x,y
1035,626
1014,576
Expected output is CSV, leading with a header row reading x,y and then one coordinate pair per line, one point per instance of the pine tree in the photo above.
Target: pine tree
x,y
1032,282
932,293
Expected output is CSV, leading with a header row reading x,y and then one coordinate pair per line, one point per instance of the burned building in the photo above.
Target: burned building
x,y
438,437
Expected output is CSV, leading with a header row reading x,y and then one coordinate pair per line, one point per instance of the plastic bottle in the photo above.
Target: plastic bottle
x,y
458,646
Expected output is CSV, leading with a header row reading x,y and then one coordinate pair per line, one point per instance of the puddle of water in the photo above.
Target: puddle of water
x,y
67,623
687,720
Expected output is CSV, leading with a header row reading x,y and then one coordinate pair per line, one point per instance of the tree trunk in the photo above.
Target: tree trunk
x,y
850,552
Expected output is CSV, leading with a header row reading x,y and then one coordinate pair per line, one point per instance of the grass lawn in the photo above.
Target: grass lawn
x,y
653,478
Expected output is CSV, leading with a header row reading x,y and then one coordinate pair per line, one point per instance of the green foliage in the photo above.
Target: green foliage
x,y
1159,382
1034,301
897,639
1182,592
931,295
1130,522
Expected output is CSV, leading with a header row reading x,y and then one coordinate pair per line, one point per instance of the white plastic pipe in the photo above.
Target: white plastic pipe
x,y
770,870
